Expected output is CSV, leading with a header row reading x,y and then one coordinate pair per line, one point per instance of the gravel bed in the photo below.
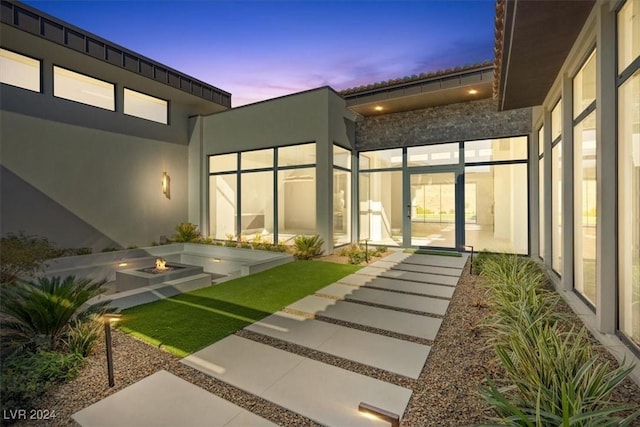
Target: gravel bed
x,y
446,393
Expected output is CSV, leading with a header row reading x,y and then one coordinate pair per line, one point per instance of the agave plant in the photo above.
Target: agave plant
x,y
307,247
40,313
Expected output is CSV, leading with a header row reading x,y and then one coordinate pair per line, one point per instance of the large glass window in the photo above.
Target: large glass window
x,y
556,207
256,204
381,207
223,163
629,187
295,155
584,199
296,202
84,89
501,223
489,150
223,205
19,70
584,180
144,106
381,159
258,159
556,188
341,196
628,34
431,155
541,210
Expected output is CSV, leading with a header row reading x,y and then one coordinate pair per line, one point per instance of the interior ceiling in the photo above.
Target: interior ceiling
x,y
378,105
535,46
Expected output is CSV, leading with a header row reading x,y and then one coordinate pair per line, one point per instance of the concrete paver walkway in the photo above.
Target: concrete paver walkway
x,y
381,318
391,354
322,392
308,387
387,298
162,399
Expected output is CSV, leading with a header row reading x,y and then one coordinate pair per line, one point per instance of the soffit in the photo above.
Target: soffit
x,y
533,39
440,89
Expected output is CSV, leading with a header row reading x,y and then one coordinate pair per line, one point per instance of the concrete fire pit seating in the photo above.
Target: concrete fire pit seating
x,y
195,266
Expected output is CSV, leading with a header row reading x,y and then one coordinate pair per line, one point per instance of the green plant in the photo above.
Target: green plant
x,y
555,378
187,232
110,249
39,314
29,375
83,335
230,242
22,256
307,247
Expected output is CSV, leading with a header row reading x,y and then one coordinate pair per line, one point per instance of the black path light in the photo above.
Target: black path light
x,y
107,319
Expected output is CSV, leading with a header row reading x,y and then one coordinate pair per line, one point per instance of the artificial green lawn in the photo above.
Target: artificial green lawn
x,y
188,322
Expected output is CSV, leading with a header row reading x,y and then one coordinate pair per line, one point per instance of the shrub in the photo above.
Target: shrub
x,y
39,314
307,247
28,376
187,232
554,377
110,249
83,335
22,256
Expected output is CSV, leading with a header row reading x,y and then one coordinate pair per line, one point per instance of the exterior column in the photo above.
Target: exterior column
x,y
606,237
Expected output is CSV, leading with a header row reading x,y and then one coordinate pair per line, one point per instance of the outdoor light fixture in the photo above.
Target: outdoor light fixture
x,y
107,319
166,185
472,91
379,413
378,108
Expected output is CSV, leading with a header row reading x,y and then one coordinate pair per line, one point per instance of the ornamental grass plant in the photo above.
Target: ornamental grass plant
x,y
553,376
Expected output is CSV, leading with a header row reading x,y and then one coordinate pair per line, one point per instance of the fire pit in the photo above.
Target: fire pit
x,y
161,267
162,272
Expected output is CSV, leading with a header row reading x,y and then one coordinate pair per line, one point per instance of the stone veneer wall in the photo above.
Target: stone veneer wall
x,y
448,123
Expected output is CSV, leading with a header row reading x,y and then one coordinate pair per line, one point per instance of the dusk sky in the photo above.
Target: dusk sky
x,y
264,49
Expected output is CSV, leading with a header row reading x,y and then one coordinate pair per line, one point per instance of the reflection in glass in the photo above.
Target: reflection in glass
x,y
19,70
222,205
430,155
584,199
433,209
341,207
381,207
296,203
223,163
257,159
556,207
381,159
501,218
629,206
256,218
341,157
495,149
302,154
541,211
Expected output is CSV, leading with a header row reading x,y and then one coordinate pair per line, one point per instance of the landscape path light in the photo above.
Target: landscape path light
x,y
107,319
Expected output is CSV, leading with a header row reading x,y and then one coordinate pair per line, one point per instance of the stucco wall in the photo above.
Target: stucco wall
x,y
86,187
448,123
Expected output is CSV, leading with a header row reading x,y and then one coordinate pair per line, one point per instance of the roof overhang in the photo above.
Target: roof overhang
x,y
533,39
442,89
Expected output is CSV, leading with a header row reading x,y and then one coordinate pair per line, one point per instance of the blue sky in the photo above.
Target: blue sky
x,y
263,49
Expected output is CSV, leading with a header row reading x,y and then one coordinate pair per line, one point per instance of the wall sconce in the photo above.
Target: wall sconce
x,y
166,185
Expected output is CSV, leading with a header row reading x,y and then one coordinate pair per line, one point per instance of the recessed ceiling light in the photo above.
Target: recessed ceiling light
x,y
378,108
472,91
